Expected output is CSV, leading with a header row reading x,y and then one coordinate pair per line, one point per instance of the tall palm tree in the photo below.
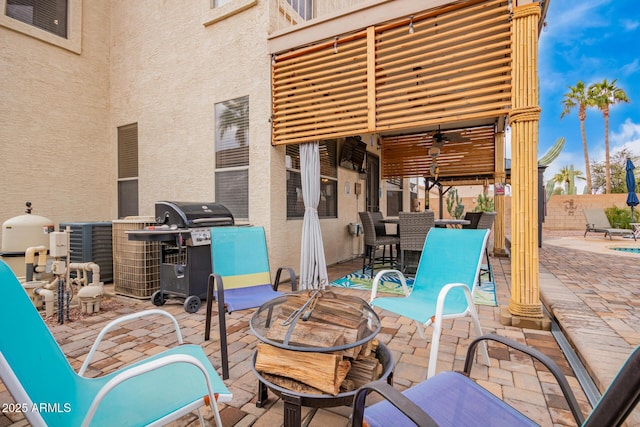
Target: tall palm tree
x,y
604,95
579,97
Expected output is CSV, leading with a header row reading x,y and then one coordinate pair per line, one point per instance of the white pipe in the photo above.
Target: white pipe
x,y
87,266
29,255
31,265
48,300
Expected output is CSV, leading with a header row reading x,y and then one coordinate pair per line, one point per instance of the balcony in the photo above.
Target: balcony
x,y
296,23
292,13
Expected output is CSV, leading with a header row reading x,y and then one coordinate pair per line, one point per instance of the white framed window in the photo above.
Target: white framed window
x,y
58,22
218,10
304,8
232,156
328,205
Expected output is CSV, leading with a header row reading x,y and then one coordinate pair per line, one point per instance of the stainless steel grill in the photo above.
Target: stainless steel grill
x,y
185,265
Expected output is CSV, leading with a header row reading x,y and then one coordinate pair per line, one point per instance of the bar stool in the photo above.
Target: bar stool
x,y
372,241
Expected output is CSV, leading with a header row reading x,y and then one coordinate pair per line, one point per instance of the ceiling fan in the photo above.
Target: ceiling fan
x,y
439,137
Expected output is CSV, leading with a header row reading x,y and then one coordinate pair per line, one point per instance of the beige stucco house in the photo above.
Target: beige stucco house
x,y
109,106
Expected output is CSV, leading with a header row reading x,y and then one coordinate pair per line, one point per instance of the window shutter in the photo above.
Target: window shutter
x,y
128,151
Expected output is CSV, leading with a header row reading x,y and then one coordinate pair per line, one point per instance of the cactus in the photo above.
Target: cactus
x,y
454,204
552,153
485,204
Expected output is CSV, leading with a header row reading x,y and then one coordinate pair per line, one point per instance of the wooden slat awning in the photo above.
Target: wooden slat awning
x,y
443,67
408,155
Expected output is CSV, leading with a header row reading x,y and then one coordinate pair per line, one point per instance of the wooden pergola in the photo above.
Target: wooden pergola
x,y
468,67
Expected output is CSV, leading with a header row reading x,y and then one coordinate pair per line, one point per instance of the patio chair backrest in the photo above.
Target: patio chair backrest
x,y
38,363
414,227
450,255
239,255
486,220
473,218
368,225
596,218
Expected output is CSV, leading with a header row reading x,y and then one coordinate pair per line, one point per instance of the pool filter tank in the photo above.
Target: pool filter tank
x,y
22,232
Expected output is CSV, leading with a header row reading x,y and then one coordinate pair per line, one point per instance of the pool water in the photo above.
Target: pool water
x,y
632,250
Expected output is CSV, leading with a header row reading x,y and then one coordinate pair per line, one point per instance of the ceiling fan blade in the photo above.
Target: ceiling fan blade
x,y
455,137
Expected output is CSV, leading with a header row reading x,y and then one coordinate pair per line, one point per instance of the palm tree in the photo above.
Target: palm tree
x,y
579,96
604,95
568,175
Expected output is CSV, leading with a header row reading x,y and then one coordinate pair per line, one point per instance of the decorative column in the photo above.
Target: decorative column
x,y
498,199
524,119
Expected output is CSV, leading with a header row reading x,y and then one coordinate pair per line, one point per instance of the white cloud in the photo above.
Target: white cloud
x,y
629,25
628,136
631,68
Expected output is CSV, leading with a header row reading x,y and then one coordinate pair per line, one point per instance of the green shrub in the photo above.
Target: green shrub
x,y
621,217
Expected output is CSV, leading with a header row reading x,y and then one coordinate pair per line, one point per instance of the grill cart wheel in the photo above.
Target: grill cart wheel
x,y
191,304
158,298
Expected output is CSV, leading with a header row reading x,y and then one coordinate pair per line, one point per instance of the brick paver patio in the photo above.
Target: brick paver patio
x,y
593,295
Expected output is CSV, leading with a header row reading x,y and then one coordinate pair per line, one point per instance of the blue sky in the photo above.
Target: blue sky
x,y
589,40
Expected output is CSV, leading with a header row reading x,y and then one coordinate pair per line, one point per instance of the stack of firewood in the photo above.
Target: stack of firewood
x,y
329,323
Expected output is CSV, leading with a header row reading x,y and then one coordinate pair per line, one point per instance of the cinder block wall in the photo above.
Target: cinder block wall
x,y
565,212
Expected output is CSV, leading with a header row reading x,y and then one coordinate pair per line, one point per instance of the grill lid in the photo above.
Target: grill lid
x,y
193,214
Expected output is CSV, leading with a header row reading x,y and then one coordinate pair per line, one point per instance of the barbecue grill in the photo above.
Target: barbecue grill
x,y
183,228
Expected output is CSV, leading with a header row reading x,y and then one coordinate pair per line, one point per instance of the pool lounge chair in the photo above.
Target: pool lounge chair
x,y
454,399
597,222
153,391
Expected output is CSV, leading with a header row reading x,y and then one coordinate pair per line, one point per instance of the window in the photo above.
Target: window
x,y
394,196
232,156
219,10
328,206
303,7
57,22
50,15
128,170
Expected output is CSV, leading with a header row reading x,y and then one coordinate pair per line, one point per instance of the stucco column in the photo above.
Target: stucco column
x,y
498,199
524,119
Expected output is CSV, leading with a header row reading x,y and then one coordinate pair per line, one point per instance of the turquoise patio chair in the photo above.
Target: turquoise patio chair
x,y
454,399
444,282
154,391
241,277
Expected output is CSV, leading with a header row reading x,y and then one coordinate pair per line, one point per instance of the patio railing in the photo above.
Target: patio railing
x,y
291,13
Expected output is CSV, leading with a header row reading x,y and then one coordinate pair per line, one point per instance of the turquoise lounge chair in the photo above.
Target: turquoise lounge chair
x,y
241,277
153,391
448,269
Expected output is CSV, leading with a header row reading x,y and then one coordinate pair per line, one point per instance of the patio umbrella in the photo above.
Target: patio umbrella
x,y
632,198
313,266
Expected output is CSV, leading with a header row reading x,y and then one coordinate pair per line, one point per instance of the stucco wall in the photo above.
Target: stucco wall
x,y
54,124
565,212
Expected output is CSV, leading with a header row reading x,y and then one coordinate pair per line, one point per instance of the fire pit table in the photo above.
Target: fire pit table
x,y
316,348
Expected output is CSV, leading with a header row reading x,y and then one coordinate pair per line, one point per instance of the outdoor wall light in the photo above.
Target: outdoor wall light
x,y
411,24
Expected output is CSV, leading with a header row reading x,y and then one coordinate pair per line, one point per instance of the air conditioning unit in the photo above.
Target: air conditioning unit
x,y
91,242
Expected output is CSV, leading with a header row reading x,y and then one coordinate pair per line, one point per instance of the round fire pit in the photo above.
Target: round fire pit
x,y
316,349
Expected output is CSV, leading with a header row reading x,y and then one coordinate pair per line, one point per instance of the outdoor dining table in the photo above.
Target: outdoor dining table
x,y
454,223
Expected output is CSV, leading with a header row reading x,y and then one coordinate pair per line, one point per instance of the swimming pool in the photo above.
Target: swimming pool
x,y
630,250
